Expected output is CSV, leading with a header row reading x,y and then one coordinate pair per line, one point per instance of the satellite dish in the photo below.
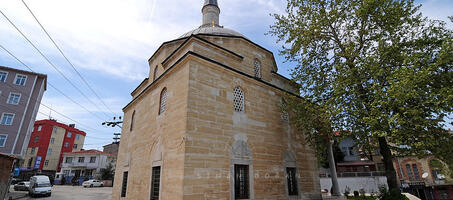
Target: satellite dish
x,y
425,175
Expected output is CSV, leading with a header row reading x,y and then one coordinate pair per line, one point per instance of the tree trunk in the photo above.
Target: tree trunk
x,y
333,170
390,172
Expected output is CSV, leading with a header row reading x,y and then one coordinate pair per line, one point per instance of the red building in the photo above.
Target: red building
x,y
48,141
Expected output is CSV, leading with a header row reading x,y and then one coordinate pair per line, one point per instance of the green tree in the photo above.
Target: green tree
x,y
376,68
108,173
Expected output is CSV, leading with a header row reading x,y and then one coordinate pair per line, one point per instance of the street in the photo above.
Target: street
x,y
71,193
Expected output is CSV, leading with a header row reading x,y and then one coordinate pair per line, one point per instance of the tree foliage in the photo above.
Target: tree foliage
x,y
376,68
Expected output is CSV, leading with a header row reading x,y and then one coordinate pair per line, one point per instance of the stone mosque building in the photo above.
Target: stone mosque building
x,y
208,124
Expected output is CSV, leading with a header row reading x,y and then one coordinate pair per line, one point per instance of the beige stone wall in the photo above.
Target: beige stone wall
x,y
213,126
155,139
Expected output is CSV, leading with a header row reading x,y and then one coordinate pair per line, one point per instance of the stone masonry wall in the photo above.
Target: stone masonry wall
x,y
214,128
155,140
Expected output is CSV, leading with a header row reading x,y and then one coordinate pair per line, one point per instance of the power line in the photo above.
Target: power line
x,y
51,64
48,82
34,101
70,63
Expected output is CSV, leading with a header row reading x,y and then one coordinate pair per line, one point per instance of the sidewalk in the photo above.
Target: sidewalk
x,y
16,194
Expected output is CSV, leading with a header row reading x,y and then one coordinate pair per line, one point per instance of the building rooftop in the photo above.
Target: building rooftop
x,y
90,151
44,76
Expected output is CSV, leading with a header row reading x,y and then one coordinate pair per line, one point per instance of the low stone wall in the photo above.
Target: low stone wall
x,y
369,184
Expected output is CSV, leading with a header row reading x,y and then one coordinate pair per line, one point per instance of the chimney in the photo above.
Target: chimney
x,y
72,125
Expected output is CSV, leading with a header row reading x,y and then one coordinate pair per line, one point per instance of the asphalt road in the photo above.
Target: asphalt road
x,y
75,193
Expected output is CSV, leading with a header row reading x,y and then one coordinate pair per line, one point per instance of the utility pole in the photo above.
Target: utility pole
x,y
116,137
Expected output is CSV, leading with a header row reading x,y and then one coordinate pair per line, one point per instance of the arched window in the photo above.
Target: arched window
x,y
132,121
257,68
156,69
163,101
238,100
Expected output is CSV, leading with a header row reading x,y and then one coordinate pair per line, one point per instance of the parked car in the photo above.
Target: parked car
x,y
40,185
93,183
22,186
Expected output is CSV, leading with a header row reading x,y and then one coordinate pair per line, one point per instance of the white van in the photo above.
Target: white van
x,y
40,185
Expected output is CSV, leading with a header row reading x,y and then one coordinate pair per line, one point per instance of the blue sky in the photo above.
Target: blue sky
x,y
110,41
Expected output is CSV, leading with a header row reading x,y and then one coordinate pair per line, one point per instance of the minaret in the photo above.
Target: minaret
x,y
211,12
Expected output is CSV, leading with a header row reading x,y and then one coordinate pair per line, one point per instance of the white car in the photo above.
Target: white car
x,y
93,183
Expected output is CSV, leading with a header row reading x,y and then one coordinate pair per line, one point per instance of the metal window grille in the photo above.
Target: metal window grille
x,y
291,181
241,181
163,101
238,100
257,68
155,184
124,186
409,172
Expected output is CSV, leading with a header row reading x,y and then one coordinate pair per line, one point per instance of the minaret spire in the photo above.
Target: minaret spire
x,y
211,13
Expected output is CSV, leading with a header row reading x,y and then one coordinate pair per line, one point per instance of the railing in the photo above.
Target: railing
x,y
356,174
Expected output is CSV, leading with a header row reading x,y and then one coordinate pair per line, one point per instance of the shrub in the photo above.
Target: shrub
x,y
391,195
356,193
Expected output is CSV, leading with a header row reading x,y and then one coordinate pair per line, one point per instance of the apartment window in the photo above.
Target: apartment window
x,y
52,140
20,79
124,186
81,159
93,159
3,76
163,101
416,173
49,151
36,139
32,151
69,135
291,181
54,130
156,69
3,140
7,118
75,146
39,128
46,163
14,98
238,100
66,144
241,181
68,160
132,121
30,162
155,183
77,137
257,68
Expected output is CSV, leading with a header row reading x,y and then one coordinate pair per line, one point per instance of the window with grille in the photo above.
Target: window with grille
x,y
238,100
291,181
132,121
93,159
81,159
410,175
155,73
155,183
124,186
46,163
257,68
68,160
7,118
416,173
241,181
163,101
3,76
